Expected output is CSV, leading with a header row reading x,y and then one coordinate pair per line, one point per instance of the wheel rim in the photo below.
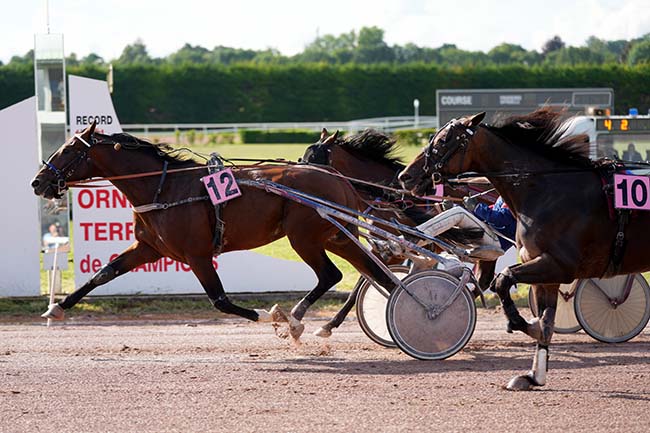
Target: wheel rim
x,y
371,309
421,337
604,322
565,316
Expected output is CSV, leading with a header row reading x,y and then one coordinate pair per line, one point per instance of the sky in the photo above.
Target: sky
x,y
106,27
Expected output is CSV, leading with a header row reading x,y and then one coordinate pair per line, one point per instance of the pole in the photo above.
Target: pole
x,y
53,279
416,113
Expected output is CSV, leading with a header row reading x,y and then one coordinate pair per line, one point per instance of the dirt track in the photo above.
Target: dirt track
x,y
233,376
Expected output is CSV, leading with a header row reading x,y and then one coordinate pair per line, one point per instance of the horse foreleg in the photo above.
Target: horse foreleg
x,y
541,270
134,256
204,271
544,273
546,299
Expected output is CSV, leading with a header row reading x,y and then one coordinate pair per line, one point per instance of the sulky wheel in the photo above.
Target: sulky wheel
x,y
565,316
371,307
439,332
604,312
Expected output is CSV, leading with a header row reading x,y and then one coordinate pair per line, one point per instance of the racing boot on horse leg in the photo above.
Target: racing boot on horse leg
x,y
536,376
540,329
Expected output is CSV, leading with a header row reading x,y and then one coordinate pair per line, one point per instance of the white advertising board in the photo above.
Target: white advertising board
x,y
19,263
103,227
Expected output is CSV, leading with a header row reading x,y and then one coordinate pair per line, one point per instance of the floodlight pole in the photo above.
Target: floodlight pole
x,y
416,112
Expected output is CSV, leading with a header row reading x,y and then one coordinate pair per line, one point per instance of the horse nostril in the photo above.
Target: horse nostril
x,y
35,183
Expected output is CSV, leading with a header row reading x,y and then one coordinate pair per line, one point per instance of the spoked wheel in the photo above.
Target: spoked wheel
x,y
604,312
439,332
565,316
371,308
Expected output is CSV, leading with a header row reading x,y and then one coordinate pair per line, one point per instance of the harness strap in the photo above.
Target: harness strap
x,y
162,181
215,164
618,250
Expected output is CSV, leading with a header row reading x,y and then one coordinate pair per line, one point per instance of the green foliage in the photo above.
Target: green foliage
x,y
413,137
191,136
639,53
278,136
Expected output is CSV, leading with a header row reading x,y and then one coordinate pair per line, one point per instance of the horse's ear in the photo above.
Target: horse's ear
x,y
323,134
332,138
90,129
476,119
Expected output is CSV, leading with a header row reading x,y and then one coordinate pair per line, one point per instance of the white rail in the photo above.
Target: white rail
x,y
386,124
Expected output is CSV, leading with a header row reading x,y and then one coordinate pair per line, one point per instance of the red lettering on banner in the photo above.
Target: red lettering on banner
x,y
107,231
91,265
86,265
102,198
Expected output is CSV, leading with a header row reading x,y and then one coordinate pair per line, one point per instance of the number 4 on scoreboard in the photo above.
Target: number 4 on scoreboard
x,y
631,192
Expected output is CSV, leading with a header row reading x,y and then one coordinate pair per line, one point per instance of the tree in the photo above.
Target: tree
x,y
507,53
92,59
72,60
371,47
135,53
553,44
639,53
189,54
23,60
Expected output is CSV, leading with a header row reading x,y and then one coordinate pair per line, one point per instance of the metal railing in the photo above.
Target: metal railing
x,y
386,124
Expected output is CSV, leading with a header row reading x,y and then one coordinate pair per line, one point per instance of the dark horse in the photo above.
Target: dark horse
x,y
252,220
564,229
371,156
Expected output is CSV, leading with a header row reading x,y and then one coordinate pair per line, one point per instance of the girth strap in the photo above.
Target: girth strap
x,y
214,165
618,250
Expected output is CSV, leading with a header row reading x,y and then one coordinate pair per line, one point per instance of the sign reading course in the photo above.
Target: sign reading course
x,y
103,227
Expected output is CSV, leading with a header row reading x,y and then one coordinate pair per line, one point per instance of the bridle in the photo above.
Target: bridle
x,y
64,173
457,139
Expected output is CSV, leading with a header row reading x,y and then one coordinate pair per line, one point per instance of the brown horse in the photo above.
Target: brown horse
x,y
370,156
252,220
564,229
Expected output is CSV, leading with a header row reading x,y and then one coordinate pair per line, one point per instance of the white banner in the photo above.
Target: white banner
x,y
19,263
103,227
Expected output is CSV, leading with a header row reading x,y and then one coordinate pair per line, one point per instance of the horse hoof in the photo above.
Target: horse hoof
x,y
54,312
520,383
277,315
323,332
534,330
263,316
296,328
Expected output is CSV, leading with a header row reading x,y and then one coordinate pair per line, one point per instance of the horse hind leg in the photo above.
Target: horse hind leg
x,y
325,331
313,254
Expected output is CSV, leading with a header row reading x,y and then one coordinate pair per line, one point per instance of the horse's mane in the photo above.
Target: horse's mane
x,y
162,151
375,146
546,132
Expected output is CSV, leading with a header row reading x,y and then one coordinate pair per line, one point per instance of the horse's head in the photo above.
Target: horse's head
x,y
446,154
320,152
68,163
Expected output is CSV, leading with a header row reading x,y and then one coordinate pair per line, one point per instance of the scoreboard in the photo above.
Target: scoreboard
x,y
622,124
456,103
625,137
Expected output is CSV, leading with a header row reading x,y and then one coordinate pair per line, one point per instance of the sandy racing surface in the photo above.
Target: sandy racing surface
x,y
229,375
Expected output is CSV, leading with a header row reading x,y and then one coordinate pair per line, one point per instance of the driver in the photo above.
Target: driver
x,y
472,215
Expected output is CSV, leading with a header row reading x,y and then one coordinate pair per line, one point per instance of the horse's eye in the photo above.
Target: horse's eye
x,y
65,150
